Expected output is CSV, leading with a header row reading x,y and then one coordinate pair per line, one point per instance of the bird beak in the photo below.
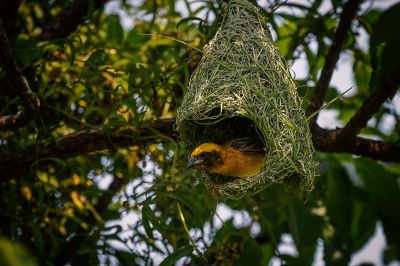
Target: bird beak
x,y
193,162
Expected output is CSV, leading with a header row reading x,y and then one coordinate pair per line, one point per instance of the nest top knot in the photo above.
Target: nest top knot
x,y
242,88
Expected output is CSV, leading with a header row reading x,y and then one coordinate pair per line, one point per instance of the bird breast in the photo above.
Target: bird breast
x,y
239,164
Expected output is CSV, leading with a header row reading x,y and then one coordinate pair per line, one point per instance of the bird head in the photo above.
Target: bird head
x,y
206,156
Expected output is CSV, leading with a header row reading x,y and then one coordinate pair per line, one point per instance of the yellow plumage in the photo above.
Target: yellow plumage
x,y
238,158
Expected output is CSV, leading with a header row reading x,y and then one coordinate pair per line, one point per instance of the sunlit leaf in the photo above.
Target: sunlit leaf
x,y
12,253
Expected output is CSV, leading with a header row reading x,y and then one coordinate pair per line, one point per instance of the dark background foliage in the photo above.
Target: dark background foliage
x,y
88,140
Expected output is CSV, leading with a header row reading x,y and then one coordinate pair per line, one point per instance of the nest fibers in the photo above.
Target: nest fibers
x,y
242,88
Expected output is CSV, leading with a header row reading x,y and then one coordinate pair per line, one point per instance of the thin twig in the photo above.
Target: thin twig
x,y
329,103
182,218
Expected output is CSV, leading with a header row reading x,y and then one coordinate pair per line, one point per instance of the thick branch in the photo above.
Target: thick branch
x,y
20,85
15,121
69,19
86,141
359,120
82,142
347,16
329,141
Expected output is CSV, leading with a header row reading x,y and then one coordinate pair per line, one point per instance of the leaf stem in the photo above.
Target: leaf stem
x,y
182,218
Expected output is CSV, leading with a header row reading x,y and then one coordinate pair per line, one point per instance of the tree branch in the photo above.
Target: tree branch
x,y
82,142
21,87
330,141
69,19
359,120
86,141
347,16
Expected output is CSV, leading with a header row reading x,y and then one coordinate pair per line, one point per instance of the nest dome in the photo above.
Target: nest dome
x,y
242,88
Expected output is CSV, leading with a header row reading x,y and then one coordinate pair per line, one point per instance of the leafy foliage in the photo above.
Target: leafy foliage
x,y
110,78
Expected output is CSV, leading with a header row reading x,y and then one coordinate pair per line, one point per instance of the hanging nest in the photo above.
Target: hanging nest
x,y
242,88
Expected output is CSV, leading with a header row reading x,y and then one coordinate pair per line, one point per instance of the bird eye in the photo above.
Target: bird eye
x,y
203,154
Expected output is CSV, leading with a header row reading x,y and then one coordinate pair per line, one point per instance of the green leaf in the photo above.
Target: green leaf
x,y
267,254
26,51
124,257
154,220
193,209
145,220
181,252
285,33
338,199
304,225
368,18
384,45
331,94
363,223
306,228
250,253
372,131
383,188
362,71
96,58
225,232
39,245
115,32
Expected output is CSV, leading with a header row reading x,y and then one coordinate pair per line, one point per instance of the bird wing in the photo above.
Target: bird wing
x,y
246,145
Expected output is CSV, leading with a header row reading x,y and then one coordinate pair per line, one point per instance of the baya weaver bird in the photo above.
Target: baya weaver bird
x,y
241,158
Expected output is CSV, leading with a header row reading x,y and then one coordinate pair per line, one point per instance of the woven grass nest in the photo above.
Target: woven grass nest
x,y
242,88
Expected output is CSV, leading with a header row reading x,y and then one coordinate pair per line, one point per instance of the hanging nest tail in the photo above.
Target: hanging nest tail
x,y
242,88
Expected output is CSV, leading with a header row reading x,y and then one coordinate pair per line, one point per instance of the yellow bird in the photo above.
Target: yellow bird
x,y
238,158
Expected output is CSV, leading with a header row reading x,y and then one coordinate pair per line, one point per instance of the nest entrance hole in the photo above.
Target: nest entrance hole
x,y
223,130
